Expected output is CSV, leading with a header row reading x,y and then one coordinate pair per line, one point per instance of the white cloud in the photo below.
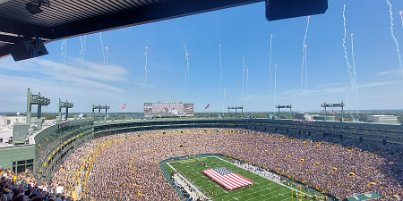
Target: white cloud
x,y
321,90
85,69
74,73
84,83
87,82
382,93
251,97
395,73
144,85
379,83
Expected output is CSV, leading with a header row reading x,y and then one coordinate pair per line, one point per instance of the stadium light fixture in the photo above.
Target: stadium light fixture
x,y
283,9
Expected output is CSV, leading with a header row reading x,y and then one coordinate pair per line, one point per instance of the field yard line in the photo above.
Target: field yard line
x,y
271,192
284,199
265,194
263,177
188,182
172,167
265,188
275,195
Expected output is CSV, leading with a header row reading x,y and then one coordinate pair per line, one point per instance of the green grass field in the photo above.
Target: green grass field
x,y
262,189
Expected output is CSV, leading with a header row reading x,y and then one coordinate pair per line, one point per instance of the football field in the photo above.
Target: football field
x,y
261,189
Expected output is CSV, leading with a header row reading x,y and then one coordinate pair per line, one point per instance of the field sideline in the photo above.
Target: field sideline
x,y
262,189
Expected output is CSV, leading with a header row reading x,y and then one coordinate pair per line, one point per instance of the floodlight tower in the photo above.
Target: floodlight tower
x,y
33,99
236,108
333,105
100,107
284,106
66,105
106,108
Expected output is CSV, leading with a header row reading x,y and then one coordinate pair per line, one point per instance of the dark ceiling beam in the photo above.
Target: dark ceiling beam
x,y
168,10
23,29
5,50
8,39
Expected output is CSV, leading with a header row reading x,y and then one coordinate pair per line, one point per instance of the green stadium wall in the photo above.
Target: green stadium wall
x,y
11,154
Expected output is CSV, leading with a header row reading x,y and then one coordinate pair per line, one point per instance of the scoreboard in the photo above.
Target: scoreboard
x,y
168,109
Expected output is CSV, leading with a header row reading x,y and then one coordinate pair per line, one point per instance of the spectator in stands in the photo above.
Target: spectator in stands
x,y
126,166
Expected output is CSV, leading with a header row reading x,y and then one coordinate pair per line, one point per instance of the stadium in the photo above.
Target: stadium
x,y
127,160
169,152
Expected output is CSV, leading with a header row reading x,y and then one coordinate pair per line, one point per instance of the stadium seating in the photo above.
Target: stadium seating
x,y
108,160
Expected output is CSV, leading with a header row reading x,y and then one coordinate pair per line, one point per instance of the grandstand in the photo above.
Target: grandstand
x,y
181,140
56,143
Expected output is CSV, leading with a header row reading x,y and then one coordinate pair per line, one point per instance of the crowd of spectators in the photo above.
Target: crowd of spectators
x,y
23,187
129,168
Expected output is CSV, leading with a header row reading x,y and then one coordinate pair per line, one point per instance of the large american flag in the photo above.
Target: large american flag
x,y
226,178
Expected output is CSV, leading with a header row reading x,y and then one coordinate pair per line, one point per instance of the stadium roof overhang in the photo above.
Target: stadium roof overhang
x,y
25,25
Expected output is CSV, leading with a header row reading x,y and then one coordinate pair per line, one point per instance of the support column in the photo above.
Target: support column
x,y
60,110
342,111
29,107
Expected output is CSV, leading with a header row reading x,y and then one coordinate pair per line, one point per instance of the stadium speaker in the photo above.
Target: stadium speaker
x,y
28,48
283,9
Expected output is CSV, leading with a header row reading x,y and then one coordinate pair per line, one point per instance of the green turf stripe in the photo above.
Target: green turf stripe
x,y
262,189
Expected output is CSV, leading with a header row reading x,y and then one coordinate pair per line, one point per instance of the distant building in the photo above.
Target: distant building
x,y
11,120
383,119
318,117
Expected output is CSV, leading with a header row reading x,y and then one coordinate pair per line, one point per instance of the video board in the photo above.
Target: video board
x,y
168,109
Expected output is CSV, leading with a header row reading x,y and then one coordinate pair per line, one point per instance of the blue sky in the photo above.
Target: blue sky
x,y
243,32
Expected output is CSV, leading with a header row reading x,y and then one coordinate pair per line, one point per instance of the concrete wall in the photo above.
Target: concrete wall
x,y
8,155
11,120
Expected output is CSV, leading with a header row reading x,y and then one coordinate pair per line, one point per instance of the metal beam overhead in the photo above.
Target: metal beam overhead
x,y
145,15
63,19
8,39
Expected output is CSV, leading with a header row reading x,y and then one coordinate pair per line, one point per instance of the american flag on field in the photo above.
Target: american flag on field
x,y
226,178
